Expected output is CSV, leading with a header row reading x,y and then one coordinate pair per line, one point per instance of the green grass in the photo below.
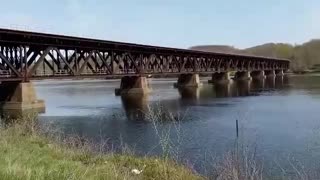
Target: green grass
x,y
26,154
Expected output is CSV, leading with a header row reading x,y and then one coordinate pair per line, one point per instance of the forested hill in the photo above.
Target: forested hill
x,y
303,57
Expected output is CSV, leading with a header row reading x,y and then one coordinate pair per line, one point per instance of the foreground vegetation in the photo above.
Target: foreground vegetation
x,y
27,153
30,152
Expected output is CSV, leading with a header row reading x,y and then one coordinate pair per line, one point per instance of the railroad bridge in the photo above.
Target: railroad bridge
x,y
26,56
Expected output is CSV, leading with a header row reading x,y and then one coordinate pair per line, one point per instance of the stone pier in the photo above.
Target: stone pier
x,y
222,77
243,75
257,75
188,80
270,73
133,85
19,96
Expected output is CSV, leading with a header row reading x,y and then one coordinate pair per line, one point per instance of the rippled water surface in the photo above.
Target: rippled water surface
x,y
277,116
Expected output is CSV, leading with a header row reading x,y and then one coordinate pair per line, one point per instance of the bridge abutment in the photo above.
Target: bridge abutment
x,y
222,77
257,75
19,96
242,75
133,85
188,80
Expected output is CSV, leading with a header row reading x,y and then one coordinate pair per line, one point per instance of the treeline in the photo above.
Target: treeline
x,y
303,57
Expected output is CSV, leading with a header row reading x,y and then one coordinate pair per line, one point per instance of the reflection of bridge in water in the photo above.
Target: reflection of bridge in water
x,y
136,107
249,88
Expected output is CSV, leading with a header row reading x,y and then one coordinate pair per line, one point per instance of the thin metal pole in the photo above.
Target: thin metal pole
x,y
237,128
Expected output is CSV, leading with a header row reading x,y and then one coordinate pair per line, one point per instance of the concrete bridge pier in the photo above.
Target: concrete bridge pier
x,y
188,80
222,77
279,72
133,85
242,75
19,96
270,73
257,75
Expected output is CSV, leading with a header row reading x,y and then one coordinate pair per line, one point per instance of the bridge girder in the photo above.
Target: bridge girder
x,y
27,55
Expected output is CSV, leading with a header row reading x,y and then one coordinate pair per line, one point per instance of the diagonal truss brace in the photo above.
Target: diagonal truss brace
x,y
4,58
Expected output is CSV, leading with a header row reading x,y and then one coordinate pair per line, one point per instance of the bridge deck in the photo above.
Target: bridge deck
x,y
31,55
70,42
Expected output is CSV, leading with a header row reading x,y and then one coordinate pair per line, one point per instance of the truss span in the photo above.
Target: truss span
x,y
31,55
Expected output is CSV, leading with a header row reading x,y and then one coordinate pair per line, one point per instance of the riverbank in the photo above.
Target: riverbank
x,y
25,153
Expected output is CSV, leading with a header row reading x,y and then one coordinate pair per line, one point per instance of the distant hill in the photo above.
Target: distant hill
x,y
273,50
217,48
304,56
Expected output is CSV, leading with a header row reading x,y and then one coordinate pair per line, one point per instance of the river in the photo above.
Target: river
x,y
279,116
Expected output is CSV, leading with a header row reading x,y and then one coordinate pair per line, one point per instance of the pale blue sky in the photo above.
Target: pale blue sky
x,y
175,23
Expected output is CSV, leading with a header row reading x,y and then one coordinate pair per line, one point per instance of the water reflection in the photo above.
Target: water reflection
x,y
258,85
222,89
248,88
242,88
135,106
10,116
279,82
280,118
282,115
189,92
16,114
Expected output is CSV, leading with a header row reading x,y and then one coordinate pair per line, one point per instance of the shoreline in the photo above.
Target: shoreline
x,y
26,153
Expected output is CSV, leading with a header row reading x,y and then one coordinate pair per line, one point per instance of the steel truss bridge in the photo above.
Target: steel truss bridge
x,y
26,56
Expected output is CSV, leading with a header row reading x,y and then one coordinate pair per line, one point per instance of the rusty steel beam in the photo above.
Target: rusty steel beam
x,y
65,57
69,42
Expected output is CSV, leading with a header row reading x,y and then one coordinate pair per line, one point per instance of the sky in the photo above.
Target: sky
x,y
171,23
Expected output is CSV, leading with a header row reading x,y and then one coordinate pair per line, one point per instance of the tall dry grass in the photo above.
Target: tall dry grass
x,y
31,151
75,157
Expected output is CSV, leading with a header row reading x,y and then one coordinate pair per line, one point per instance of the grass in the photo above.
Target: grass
x,y
239,164
26,153
29,152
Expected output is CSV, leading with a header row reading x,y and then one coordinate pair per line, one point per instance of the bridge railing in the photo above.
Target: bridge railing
x,y
5,73
56,73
